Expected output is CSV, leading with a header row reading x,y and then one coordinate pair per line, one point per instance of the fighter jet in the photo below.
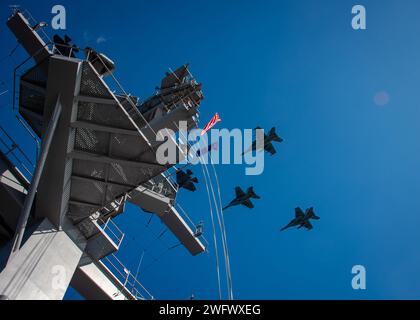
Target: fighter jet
x,y
302,219
268,146
185,180
243,198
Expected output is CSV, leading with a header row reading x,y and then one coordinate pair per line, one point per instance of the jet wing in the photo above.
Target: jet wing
x,y
189,186
239,192
299,213
248,204
307,225
269,148
277,139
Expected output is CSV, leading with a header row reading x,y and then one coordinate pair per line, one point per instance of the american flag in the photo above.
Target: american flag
x,y
211,123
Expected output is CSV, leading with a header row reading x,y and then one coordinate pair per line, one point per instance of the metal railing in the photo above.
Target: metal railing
x,y
53,50
163,185
32,134
170,181
110,209
129,281
16,92
131,109
193,225
15,154
111,230
32,21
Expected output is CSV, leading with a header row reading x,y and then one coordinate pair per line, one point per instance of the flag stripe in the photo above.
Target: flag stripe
x,y
211,123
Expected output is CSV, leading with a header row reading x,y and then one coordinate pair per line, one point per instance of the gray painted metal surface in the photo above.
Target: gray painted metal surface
x,y
43,267
29,199
104,149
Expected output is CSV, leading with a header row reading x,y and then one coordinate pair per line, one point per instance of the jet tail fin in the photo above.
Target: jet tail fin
x,y
311,214
273,135
252,193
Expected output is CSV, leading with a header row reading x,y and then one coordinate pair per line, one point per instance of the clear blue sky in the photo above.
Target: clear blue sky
x,y
299,66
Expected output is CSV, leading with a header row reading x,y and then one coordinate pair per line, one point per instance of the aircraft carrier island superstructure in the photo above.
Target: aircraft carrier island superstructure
x,y
97,152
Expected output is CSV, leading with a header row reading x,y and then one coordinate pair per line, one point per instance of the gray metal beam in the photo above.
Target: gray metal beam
x,y
30,274
92,179
27,206
87,204
28,38
97,127
33,86
103,159
97,100
31,114
182,231
64,77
